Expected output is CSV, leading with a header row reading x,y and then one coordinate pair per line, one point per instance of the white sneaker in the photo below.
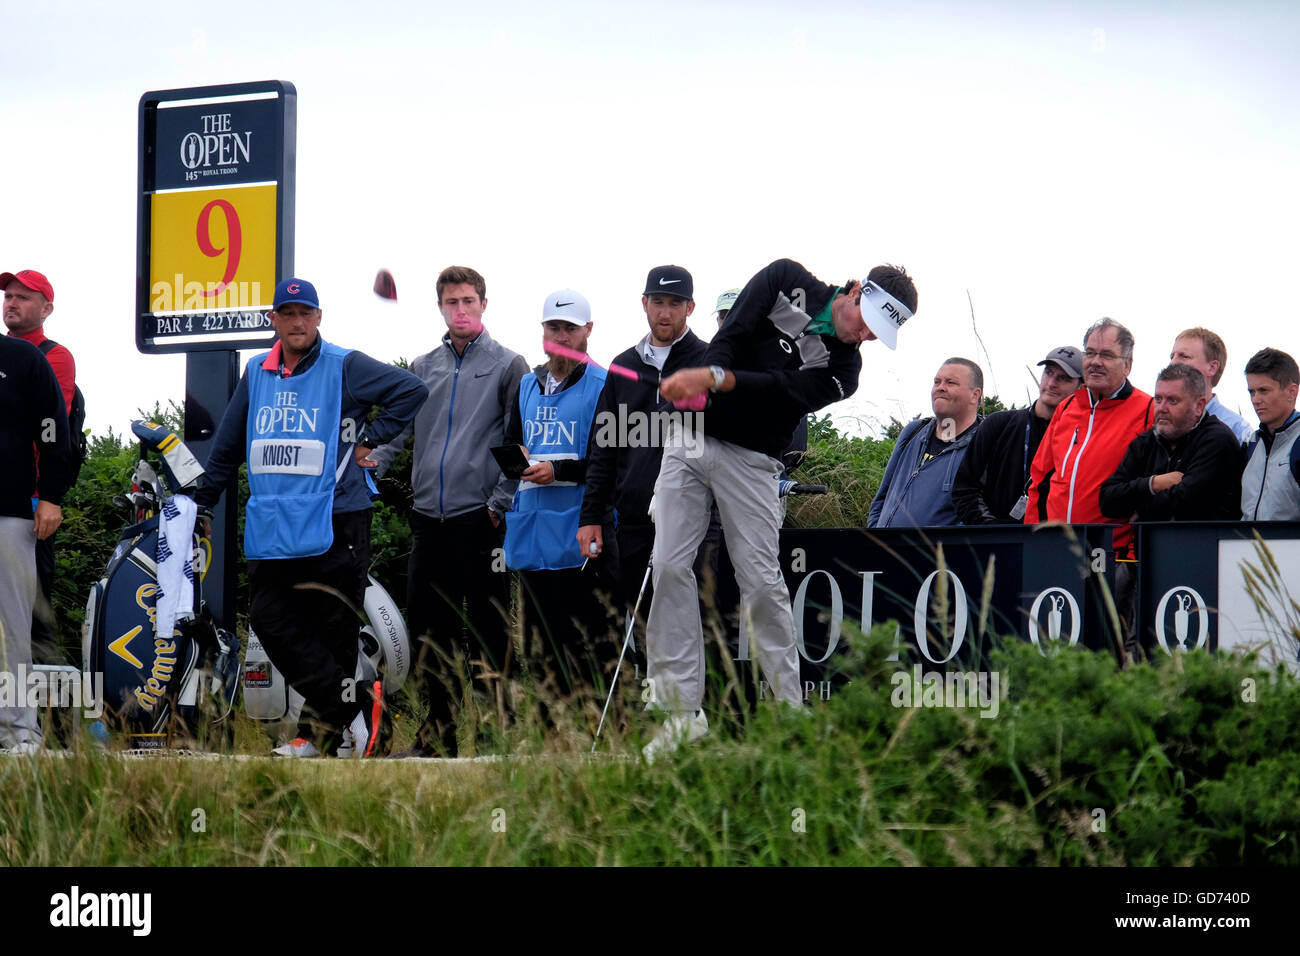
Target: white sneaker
x,y
678,730
345,747
23,747
357,736
298,747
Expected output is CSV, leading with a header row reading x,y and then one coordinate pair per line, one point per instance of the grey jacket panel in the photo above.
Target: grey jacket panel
x,y
453,471
1269,489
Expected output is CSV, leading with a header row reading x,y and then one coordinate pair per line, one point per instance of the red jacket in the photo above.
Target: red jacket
x,y
1083,446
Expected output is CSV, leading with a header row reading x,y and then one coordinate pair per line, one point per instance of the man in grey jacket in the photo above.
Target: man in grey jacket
x,y
458,588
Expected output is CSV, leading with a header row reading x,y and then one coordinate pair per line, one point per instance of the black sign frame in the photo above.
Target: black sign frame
x,y
286,99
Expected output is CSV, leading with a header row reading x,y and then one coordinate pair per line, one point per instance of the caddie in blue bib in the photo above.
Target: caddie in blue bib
x,y
293,457
542,527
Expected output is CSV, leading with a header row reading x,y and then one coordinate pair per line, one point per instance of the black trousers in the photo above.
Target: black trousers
x,y
573,624
458,602
307,612
46,646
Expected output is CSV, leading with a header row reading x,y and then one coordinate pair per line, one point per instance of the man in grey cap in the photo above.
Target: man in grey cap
x,y
725,302
992,483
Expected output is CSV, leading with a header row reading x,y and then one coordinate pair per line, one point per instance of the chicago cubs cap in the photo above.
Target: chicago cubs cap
x,y
1068,357
32,279
567,306
670,280
727,300
295,290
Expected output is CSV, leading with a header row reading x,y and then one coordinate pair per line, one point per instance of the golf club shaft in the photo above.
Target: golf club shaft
x,y
627,638
574,355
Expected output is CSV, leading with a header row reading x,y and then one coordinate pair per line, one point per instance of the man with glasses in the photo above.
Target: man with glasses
x,y
1085,443
458,595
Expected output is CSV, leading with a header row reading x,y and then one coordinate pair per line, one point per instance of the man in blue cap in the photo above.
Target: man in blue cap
x,y
298,417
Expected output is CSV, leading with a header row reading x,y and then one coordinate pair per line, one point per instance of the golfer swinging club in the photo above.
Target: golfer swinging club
x,y
789,347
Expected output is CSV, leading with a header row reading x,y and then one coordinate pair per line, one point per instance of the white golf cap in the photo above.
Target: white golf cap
x,y
567,306
883,313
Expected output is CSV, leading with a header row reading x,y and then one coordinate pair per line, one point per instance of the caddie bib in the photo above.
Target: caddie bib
x,y
542,526
293,457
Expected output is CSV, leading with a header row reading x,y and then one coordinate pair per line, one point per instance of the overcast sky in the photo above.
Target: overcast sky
x,y
1059,162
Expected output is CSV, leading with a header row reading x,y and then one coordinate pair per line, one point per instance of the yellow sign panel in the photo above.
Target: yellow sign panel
x,y
212,249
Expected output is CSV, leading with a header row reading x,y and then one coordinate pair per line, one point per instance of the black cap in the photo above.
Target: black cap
x,y
670,280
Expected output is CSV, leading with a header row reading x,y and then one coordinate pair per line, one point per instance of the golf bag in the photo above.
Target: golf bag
x,y
159,685
384,653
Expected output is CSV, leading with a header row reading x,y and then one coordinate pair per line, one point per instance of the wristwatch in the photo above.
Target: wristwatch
x,y
719,376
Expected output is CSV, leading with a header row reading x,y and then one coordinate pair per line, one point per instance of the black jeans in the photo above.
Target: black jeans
x,y
458,601
573,623
308,612
47,648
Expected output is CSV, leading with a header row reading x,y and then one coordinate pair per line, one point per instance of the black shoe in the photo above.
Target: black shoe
x,y
427,744
417,749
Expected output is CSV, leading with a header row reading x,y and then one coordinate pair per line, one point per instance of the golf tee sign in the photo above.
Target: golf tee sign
x,y
215,214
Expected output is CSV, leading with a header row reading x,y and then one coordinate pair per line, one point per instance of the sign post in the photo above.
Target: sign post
x,y
214,233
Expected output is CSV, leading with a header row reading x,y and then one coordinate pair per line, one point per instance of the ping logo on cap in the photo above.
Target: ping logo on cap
x,y
898,316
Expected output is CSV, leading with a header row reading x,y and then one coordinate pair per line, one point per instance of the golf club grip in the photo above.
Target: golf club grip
x,y
645,378
801,489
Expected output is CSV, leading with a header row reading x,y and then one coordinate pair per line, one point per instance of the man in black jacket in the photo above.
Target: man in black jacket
x,y
1186,467
631,422
789,347
993,480
32,417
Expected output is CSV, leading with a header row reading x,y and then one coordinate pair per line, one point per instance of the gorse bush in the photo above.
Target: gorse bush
x,y
1190,763
851,468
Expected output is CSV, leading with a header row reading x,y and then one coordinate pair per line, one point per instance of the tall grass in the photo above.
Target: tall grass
x,y
1084,764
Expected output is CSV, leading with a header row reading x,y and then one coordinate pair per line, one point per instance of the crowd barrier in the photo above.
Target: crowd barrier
x,y
956,592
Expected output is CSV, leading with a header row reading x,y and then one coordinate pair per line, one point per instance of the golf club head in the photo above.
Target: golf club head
x,y
385,285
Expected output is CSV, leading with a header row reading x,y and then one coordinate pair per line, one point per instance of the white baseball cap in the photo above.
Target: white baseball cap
x,y
567,306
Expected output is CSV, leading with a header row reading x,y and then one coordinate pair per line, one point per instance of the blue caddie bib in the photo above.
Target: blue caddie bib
x,y
542,526
292,448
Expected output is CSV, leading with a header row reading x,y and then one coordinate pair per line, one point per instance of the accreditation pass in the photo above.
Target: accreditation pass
x,y
286,456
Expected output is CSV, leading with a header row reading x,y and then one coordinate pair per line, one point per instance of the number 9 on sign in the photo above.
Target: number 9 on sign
x,y
212,249
234,241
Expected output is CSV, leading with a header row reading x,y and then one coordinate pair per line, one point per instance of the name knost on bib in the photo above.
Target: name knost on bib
x,y
269,456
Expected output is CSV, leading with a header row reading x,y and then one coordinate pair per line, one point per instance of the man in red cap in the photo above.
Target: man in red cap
x,y
28,302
